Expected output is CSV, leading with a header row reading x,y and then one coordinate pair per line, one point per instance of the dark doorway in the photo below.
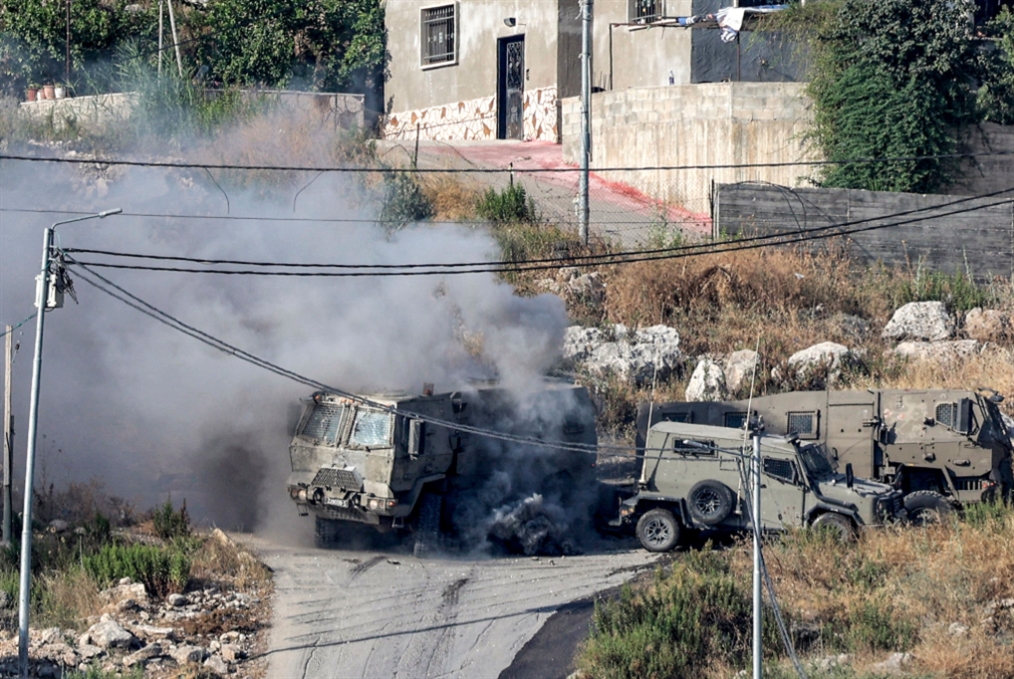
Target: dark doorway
x,y
510,88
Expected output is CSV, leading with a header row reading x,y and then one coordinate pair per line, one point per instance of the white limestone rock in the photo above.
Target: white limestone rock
x,y
927,321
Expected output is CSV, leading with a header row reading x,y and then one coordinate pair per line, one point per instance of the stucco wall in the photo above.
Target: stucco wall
x,y
709,124
641,57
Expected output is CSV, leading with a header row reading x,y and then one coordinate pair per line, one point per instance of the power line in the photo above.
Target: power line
x,y
604,260
18,325
570,261
418,170
165,318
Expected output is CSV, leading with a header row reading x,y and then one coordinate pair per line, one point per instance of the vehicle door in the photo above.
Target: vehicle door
x,y
782,492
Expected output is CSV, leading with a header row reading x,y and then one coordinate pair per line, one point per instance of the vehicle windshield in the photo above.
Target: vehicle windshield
x,y
325,422
371,428
814,458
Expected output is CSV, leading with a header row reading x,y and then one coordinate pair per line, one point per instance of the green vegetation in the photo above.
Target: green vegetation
x,y
996,95
894,79
511,205
162,570
894,590
170,524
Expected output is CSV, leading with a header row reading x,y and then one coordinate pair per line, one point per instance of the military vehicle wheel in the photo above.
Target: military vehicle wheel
x,y
710,502
925,507
837,525
427,525
325,531
658,530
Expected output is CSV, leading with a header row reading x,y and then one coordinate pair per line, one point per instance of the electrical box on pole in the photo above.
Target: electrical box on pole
x,y
54,296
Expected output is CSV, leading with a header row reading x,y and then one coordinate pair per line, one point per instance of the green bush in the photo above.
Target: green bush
x,y
510,206
404,200
170,524
161,569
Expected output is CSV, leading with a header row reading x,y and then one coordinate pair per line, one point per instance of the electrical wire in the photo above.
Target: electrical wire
x,y
165,318
18,325
419,170
580,261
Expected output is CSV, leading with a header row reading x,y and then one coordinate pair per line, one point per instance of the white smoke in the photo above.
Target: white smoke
x,y
150,411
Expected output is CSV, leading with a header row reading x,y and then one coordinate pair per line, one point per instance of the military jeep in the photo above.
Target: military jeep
x,y
695,478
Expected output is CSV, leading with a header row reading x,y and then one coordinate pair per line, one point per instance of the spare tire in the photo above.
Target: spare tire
x,y
710,502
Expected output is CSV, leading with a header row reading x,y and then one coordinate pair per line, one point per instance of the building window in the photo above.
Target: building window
x,y
439,31
735,420
644,11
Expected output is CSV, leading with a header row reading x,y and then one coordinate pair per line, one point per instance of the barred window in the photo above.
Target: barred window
x,y
735,420
804,424
371,428
324,423
947,414
779,468
644,11
439,35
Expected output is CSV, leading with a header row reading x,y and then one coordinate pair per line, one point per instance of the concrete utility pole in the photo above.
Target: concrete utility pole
x,y
66,82
8,432
176,38
161,30
757,603
586,92
42,304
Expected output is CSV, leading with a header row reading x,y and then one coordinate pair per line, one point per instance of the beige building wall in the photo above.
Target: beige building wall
x,y
708,124
641,56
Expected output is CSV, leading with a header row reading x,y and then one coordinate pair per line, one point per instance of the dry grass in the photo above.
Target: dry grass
x,y
70,596
219,558
453,198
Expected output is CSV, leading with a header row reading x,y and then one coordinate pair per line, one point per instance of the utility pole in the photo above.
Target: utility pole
x,y
757,604
176,38
161,12
586,91
66,80
42,304
8,432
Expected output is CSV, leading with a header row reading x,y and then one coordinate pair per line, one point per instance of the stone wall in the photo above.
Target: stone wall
x,y
475,119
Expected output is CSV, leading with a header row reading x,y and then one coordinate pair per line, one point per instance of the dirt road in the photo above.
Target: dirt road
x,y
382,613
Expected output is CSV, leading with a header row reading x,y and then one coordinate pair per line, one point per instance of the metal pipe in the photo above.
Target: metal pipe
x,y
176,38
586,79
757,604
66,80
8,433
161,12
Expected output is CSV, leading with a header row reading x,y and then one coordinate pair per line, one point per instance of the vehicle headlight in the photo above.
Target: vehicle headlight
x,y
374,503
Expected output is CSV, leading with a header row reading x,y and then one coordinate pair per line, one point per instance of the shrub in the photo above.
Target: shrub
x,y
404,200
170,524
162,570
509,206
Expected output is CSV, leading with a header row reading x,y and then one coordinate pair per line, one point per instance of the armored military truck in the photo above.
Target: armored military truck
x,y
694,477
384,463
940,446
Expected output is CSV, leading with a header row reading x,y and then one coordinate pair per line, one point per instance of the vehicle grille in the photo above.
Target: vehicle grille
x,y
344,514
329,477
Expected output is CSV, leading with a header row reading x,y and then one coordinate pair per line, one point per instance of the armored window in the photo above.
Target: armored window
x,y
947,415
693,447
781,469
803,423
686,417
644,11
324,423
735,420
371,428
439,35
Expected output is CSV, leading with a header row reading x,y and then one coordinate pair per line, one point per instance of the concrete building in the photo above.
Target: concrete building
x,y
496,69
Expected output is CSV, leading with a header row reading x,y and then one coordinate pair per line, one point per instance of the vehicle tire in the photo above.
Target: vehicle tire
x,y
427,525
325,532
710,502
836,524
658,530
926,507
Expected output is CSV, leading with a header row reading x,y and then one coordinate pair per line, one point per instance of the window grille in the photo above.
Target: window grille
x,y
947,414
804,424
438,35
782,469
371,428
735,420
644,11
324,423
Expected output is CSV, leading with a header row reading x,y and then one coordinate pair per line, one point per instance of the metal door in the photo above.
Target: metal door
x,y
511,88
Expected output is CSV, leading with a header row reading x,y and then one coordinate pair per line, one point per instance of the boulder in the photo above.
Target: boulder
x,y
232,652
177,600
186,654
217,665
143,656
894,664
739,369
129,591
707,383
826,355
88,651
928,321
939,352
639,355
108,634
988,325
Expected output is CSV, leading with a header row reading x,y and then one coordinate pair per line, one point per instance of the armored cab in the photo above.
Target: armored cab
x,y
939,446
695,477
400,460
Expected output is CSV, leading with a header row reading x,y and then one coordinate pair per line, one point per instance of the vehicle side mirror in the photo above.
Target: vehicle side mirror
x,y
849,475
415,438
